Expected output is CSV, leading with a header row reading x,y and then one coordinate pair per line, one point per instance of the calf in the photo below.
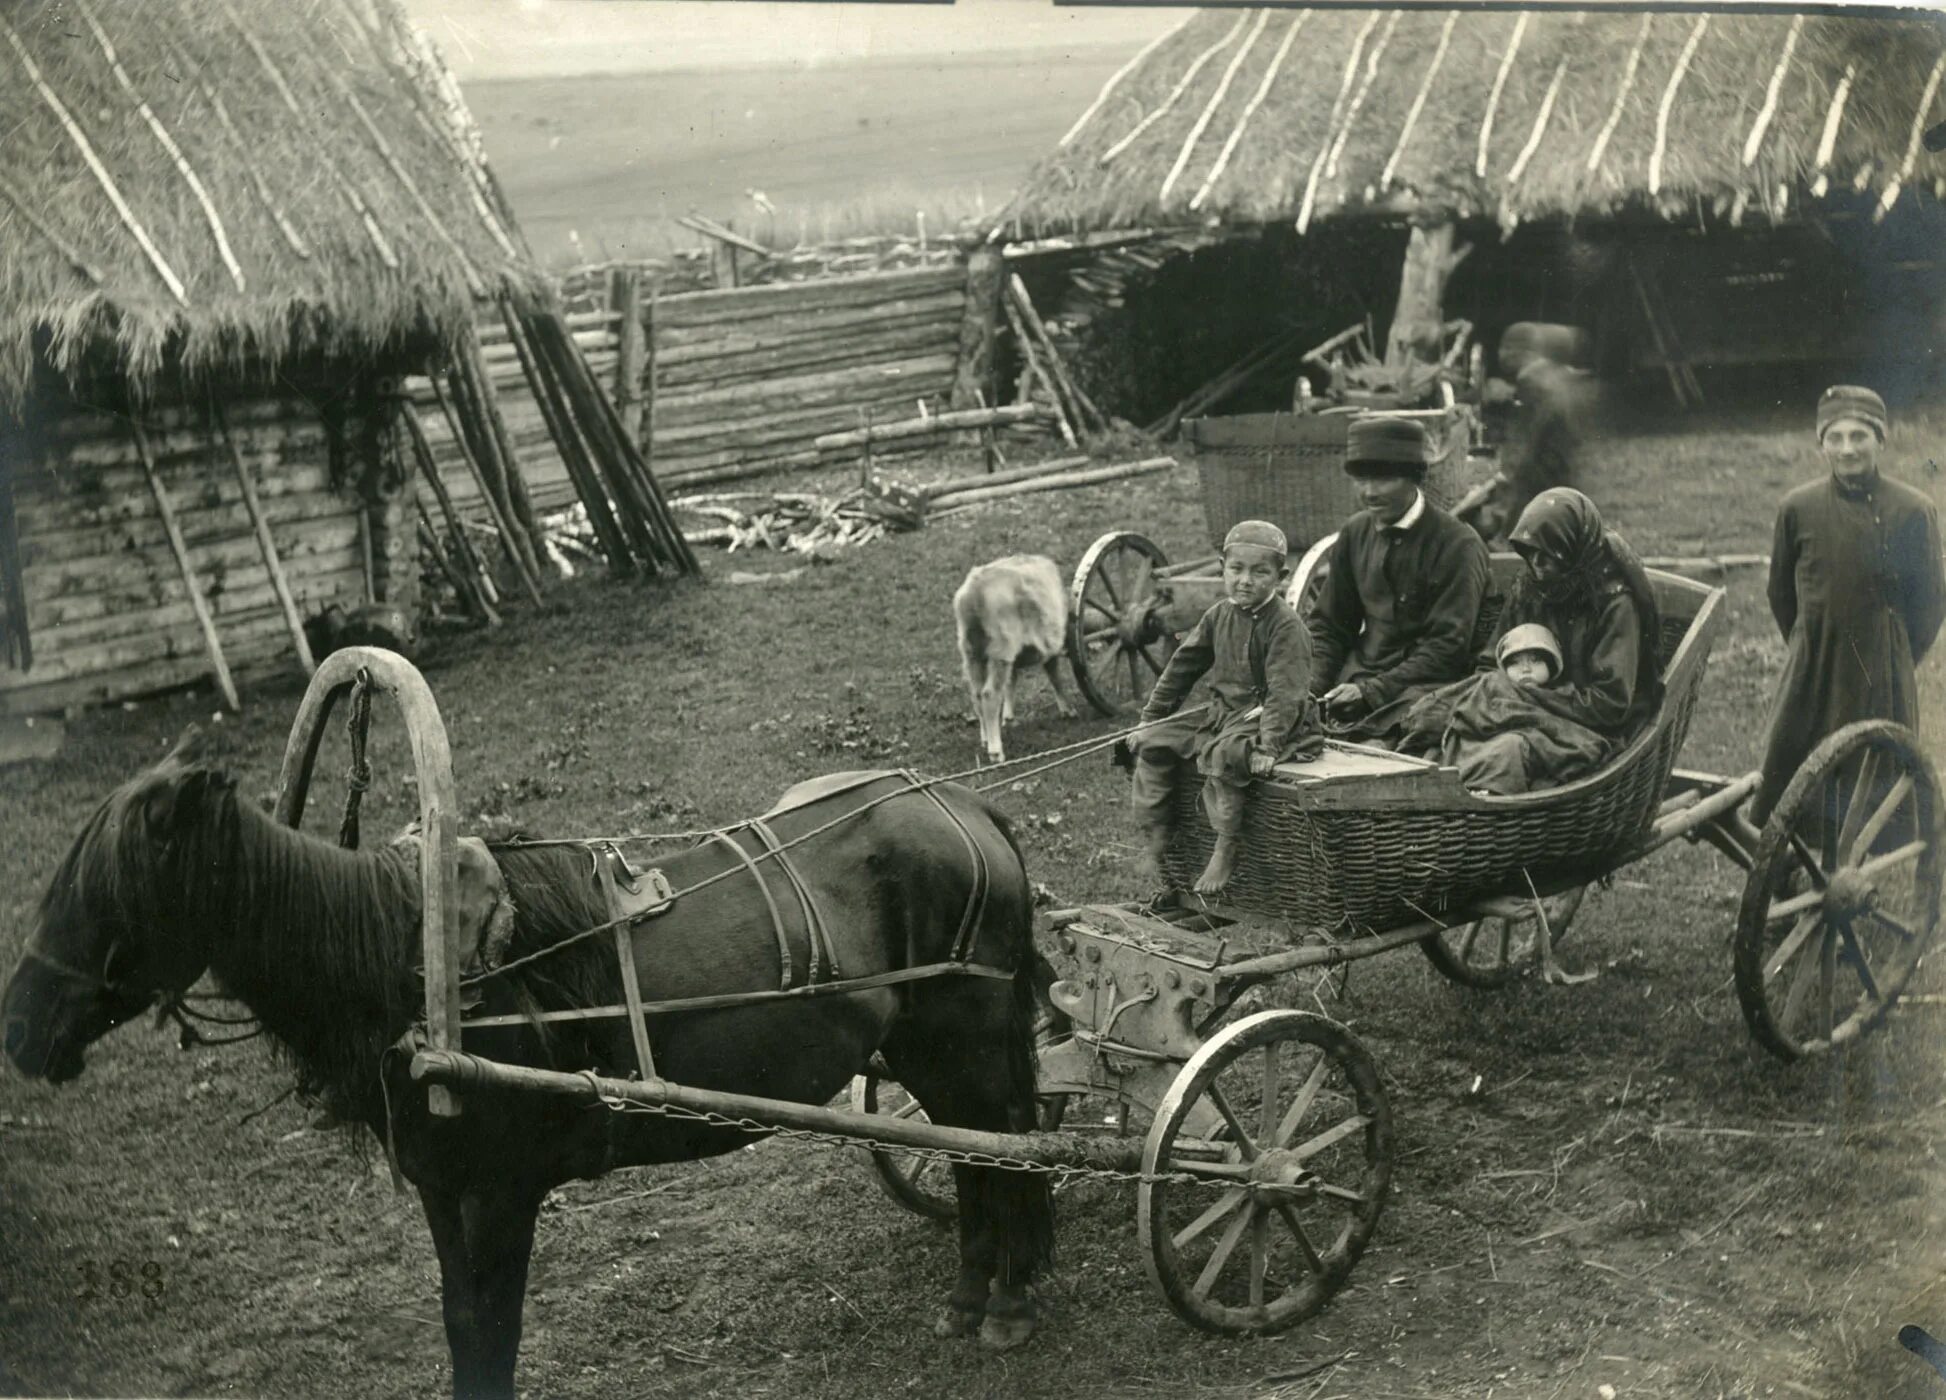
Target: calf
x,y
1011,612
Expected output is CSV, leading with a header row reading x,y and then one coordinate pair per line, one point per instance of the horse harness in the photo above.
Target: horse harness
x,y
634,897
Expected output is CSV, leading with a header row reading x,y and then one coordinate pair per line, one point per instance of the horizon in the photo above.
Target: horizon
x,y
492,40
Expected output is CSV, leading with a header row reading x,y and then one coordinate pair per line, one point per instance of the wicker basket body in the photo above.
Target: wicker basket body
x,y
1367,856
1289,469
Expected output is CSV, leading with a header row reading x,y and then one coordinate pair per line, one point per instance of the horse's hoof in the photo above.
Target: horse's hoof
x,y
1004,1333
957,1322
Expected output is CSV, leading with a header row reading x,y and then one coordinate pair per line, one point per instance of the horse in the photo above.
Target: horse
x,y
174,875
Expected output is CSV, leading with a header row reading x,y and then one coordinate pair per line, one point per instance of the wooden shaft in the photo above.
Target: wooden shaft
x,y
266,545
513,479
211,643
464,1071
438,817
625,297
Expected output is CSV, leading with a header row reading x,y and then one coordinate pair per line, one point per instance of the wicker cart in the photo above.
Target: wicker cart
x,y
1363,851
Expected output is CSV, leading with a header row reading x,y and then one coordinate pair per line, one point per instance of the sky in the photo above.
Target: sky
x,y
484,39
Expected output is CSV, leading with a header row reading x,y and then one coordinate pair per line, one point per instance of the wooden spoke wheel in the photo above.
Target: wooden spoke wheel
x,y
1283,1118
1496,952
1117,640
923,1185
1842,902
1306,587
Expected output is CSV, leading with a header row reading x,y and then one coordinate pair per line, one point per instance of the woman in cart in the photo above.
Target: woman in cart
x,y
1588,589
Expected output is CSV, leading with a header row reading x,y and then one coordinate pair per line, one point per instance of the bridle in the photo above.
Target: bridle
x,y
170,1003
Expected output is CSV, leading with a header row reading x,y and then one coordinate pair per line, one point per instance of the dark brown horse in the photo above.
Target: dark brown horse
x,y
174,875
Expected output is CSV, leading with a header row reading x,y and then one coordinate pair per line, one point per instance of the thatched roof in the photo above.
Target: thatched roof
x,y
234,181
1253,116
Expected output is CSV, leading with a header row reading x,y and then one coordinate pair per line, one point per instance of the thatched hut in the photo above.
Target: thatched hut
x,y
228,228
1493,122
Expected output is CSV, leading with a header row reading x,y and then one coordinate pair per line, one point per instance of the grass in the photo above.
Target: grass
x,y
1695,1263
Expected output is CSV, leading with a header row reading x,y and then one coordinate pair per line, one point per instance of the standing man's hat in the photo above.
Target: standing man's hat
x,y
1380,446
1851,401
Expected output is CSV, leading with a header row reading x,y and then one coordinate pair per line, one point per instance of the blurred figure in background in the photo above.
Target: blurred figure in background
x,y
1540,403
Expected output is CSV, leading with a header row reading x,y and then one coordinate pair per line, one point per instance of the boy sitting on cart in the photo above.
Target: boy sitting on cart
x,y
1258,657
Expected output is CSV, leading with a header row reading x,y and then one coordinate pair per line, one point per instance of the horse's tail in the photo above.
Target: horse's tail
x,y
1024,1201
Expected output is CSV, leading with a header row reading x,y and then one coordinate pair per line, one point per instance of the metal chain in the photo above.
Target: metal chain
x,y
949,1155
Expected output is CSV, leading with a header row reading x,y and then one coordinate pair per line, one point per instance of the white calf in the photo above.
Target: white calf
x,y
1011,612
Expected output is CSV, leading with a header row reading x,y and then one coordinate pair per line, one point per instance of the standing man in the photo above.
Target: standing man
x,y
1399,606
1857,590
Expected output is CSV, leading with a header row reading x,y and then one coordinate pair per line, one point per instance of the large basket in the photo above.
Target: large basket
x,y
1365,857
1288,468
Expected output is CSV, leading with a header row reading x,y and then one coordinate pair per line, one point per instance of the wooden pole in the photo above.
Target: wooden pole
x,y
464,581
979,325
265,544
646,433
573,453
487,403
211,643
430,470
1037,371
494,507
625,297
1084,407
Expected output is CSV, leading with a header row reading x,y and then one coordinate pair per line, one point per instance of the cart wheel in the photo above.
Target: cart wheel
x,y
1843,897
1308,578
923,1185
1495,952
1116,641
1282,1119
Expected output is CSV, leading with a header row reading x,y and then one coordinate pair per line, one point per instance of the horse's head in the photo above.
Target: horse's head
x,y
104,946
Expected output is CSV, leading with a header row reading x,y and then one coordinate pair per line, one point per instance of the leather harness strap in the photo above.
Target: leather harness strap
x,y
776,916
976,904
815,933
605,862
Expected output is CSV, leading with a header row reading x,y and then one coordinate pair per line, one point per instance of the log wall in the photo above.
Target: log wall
x,y
107,609
734,383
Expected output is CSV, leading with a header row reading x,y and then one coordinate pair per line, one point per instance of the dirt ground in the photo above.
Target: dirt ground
x,y
1638,1203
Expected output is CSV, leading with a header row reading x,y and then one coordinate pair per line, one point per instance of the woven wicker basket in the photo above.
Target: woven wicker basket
x,y
1359,865
1289,469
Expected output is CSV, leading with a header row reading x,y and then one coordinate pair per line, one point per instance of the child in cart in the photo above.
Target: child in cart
x,y
1258,658
1494,729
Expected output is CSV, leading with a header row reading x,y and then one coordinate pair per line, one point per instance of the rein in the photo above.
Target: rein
x,y
171,1005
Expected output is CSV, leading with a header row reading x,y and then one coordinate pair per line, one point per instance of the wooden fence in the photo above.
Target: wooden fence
x,y
734,383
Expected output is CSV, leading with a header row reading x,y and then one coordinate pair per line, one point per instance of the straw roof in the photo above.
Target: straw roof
x,y
234,181
1252,116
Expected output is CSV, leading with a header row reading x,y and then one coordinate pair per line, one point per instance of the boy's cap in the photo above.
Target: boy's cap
x,y
1529,636
1380,446
1256,534
1842,401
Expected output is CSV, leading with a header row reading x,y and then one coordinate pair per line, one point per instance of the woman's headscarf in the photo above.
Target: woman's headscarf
x,y
1564,525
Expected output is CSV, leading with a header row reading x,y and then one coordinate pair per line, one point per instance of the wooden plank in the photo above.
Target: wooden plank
x,y
266,545
211,642
734,337
924,338
336,579
833,386
760,303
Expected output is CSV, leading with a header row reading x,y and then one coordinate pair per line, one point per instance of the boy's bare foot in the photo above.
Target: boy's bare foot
x,y
1222,864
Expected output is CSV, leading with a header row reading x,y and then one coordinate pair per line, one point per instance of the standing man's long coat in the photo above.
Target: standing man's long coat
x,y
1857,591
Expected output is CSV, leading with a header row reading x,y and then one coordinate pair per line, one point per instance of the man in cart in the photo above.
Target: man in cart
x,y
1401,600
1856,588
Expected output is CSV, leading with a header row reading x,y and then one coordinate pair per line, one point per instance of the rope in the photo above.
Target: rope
x,y
358,777
1074,752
